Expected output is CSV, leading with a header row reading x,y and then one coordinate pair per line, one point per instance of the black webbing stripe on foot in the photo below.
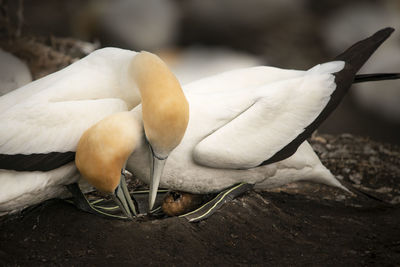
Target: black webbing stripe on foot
x,y
81,202
213,205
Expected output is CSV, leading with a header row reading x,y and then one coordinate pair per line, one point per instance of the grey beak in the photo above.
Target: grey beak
x,y
122,197
156,170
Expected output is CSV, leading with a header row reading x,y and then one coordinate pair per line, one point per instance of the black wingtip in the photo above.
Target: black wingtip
x,y
358,54
385,31
354,58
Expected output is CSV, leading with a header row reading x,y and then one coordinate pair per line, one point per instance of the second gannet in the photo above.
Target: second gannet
x,y
246,125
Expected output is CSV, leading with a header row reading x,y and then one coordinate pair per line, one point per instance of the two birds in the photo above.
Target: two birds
x,y
247,125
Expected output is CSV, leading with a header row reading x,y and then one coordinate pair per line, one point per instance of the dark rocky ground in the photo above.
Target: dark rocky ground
x,y
301,224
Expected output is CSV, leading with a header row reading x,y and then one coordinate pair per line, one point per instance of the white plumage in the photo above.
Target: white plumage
x,y
51,113
13,73
22,189
239,119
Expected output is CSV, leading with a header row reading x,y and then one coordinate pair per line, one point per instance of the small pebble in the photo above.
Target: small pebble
x,y
356,178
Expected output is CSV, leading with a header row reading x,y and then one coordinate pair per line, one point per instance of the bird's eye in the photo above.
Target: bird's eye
x,y
176,195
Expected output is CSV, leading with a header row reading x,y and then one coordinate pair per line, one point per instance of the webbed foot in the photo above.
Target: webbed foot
x,y
102,207
213,205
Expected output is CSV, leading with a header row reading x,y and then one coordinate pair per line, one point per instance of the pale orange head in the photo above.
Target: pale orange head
x,y
165,109
104,148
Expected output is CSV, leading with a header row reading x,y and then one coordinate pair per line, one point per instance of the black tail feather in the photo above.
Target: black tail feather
x,y
360,78
358,54
354,59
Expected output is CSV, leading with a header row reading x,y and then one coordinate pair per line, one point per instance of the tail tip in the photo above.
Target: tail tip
x,y
385,31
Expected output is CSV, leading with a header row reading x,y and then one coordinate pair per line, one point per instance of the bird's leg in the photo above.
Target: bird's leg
x,y
213,205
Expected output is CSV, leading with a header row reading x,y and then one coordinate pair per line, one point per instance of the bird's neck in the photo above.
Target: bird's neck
x,y
105,147
165,110
129,90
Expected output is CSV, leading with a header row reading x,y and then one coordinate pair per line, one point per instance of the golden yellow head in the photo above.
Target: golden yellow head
x,y
104,148
165,109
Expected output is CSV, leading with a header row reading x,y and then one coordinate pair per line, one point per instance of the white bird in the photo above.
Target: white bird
x,y
41,124
13,73
244,126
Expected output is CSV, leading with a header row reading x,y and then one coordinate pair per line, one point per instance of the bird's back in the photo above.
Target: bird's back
x,y
98,75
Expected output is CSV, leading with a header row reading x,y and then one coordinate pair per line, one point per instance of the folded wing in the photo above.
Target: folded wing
x,y
44,136
280,112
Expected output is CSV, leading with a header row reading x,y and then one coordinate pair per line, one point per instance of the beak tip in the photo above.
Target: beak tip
x,y
151,201
157,166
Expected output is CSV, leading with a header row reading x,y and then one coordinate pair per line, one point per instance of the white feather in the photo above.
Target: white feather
x,y
51,113
271,116
13,73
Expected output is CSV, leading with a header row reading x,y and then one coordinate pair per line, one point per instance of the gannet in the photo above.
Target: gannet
x,y
43,121
246,126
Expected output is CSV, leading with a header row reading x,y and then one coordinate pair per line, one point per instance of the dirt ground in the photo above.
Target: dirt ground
x,y
301,224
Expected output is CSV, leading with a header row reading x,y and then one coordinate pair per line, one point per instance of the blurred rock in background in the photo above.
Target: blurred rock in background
x,y
357,21
196,62
201,37
149,25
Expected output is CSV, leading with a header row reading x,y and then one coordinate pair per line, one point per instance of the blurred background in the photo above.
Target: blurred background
x,y
198,38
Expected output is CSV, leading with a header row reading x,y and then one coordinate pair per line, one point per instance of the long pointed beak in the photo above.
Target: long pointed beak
x,y
122,197
156,169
